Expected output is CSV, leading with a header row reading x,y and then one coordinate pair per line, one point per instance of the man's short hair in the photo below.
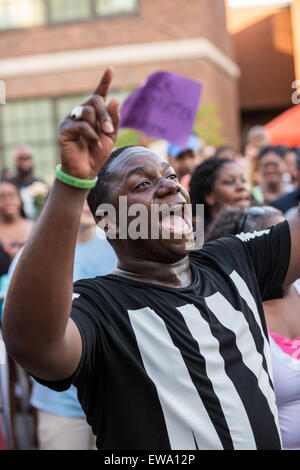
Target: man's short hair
x,y
101,192
20,149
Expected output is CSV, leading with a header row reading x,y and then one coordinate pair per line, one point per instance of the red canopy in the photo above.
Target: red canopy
x,y
285,128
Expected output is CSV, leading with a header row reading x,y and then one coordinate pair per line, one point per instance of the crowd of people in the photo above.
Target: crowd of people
x,y
243,193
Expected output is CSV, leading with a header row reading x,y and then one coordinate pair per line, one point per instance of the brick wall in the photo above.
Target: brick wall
x,y
218,88
156,20
264,51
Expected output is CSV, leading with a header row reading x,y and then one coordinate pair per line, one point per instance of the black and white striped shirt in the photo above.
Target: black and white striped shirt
x,y
184,368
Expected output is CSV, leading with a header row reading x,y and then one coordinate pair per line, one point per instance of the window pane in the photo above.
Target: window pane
x,y
114,7
66,104
30,121
45,158
21,13
68,10
33,121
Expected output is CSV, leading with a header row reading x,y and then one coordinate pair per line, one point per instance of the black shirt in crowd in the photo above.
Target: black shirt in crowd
x,y
5,261
184,368
288,203
25,183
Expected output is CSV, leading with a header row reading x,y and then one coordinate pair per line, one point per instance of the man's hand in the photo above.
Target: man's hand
x,y
36,326
86,144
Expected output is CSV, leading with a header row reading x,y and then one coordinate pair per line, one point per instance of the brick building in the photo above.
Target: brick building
x,y
52,53
266,42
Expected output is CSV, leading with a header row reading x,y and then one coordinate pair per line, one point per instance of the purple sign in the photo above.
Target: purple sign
x,y
165,107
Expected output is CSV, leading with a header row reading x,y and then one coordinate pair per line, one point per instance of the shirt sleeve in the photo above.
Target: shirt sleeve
x,y
4,261
266,253
86,313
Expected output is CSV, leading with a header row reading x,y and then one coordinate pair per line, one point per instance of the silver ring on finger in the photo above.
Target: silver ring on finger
x,y
77,113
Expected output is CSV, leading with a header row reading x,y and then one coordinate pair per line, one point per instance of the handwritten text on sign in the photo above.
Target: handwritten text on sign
x,y
165,107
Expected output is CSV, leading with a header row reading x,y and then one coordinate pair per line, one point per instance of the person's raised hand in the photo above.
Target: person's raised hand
x,y
87,142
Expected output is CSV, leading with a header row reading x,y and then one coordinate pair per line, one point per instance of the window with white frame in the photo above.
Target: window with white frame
x,y
36,122
28,13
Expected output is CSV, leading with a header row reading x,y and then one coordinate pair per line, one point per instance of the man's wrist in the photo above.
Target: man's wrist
x,y
70,191
74,181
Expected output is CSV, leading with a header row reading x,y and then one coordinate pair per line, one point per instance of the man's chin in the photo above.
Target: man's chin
x,y
24,173
176,248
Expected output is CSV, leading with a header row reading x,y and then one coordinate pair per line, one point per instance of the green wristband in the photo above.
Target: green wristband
x,y
75,182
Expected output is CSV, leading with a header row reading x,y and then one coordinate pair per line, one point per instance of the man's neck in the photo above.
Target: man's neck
x,y
274,188
86,233
25,178
173,275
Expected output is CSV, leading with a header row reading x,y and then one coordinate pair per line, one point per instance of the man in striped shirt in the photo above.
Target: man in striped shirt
x,y
169,351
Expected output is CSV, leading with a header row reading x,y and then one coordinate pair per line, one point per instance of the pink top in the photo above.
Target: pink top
x,y
285,356
287,345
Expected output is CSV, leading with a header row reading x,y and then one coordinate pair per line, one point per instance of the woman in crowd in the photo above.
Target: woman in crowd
x,y
255,139
14,232
218,183
272,169
14,227
292,171
282,318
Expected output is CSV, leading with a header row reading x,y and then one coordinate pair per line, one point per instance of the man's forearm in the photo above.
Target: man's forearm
x,y
36,326
39,299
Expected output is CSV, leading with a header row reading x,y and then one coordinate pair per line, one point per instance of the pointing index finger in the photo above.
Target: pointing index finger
x,y
104,84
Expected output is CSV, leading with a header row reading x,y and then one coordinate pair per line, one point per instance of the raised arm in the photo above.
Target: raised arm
x,y
294,266
37,330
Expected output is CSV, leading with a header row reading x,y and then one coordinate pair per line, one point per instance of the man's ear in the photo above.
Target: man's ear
x,y
106,219
101,221
108,225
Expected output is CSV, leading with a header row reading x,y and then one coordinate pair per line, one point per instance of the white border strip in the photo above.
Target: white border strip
x,y
198,48
257,3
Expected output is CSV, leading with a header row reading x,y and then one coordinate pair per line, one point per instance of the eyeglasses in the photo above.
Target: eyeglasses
x,y
255,211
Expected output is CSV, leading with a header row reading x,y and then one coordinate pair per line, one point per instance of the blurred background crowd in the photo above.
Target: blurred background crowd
x,y
242,159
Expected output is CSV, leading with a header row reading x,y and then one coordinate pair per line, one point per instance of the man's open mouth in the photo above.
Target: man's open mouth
x,y
176,219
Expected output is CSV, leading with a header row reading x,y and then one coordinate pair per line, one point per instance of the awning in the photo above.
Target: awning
x,y
285,128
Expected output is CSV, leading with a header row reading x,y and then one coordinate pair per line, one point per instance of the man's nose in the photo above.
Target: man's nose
x,y
167,187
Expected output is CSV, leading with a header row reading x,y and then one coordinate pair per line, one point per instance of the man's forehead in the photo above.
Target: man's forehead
x,y
23,158
22,150
137,156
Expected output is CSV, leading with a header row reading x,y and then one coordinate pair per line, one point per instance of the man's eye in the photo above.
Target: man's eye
x,y
142,185
173,177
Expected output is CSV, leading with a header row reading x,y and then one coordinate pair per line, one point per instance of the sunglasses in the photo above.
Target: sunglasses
x,y
252,211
